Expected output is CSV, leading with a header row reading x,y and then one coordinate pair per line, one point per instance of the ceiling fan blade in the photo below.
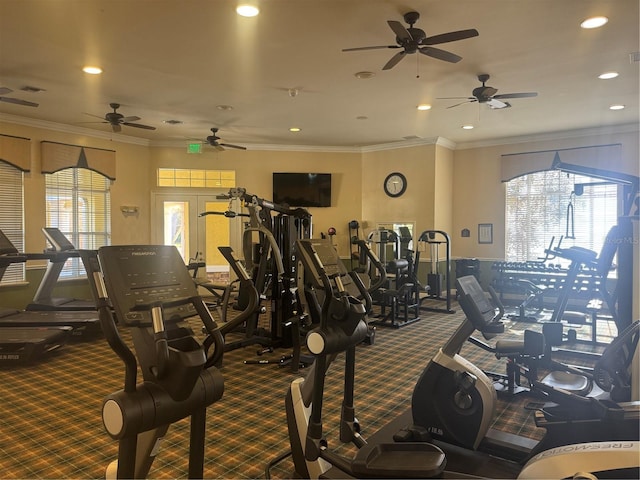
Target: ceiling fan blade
x,y
401,32
370,48
473,99
129,119
228,145
95,116
517,95
462,103
394,60
115,127
450,37
218,147
17,101
4,90
138,125
440,54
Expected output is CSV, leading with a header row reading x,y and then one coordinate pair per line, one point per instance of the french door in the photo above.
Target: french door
x,y
177,221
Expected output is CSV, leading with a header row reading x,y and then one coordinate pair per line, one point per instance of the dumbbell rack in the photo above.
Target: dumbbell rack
x,y
551,276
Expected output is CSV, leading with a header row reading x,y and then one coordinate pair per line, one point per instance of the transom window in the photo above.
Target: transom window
x,y
183,177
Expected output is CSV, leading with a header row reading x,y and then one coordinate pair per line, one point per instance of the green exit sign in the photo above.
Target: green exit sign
x,y
194,148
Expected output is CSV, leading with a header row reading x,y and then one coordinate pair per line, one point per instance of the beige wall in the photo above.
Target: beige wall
x,y
130,188
447,189
479,193
254,169
417,205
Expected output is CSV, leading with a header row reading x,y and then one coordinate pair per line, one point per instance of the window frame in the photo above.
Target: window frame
x,y
12,218
87,220
539,215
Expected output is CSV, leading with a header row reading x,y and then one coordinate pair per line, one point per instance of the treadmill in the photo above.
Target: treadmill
x,y
83,325
61,250
24,345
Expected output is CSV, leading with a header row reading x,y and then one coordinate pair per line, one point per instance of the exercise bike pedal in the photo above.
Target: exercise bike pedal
x,y
536,405
412,434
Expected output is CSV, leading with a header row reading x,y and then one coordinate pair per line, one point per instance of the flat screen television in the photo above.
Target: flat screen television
x,y
302,189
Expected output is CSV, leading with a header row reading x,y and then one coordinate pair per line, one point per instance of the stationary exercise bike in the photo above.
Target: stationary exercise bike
x,y
454,401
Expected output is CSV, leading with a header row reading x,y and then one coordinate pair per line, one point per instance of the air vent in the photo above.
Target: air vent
x,y
634,57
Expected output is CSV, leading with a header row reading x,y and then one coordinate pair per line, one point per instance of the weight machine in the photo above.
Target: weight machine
x,y
434,239
268,242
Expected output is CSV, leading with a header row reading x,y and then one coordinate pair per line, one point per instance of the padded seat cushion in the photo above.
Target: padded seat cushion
x,y
509,347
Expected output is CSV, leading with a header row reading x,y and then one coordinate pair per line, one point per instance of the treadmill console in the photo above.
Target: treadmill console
x,y
6,246
57,239
139,277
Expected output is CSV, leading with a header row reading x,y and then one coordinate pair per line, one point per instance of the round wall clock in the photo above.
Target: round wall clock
x,y
395,184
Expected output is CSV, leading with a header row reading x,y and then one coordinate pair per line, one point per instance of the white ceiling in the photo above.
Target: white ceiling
x,y
171,59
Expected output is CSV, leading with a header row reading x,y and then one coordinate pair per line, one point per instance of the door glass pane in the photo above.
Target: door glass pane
x,y
176,226
217,234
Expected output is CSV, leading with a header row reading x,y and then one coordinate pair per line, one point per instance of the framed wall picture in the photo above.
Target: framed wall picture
x,y
485,233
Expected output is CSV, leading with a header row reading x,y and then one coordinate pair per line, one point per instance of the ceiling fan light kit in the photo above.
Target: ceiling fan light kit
x,y
488,95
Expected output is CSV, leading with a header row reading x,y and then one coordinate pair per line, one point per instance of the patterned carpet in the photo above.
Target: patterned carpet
x,y
51,423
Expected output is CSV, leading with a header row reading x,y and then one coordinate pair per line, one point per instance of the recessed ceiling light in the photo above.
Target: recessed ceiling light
x,y
607,75
594,22
294,129
92,70
424,106
364,75
226,108
616,107
467,127
247,10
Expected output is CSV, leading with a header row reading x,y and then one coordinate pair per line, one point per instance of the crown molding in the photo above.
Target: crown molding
x,y
72,129
413,142
547,136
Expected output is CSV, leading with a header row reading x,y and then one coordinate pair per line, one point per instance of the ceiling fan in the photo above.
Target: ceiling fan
x,y
413,40
212,141
116,120
486,94
17,101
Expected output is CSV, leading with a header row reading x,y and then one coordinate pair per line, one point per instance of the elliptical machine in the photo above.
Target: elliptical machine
x,y
152,293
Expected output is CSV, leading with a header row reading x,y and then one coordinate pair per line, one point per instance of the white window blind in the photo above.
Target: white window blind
x,y
11,216
537,209
78,203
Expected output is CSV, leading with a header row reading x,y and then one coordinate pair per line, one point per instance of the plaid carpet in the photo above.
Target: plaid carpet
x,y
51,411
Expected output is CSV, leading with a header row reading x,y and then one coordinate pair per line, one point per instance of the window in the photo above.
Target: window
x,y
11,216
182,177
543,205
78,203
